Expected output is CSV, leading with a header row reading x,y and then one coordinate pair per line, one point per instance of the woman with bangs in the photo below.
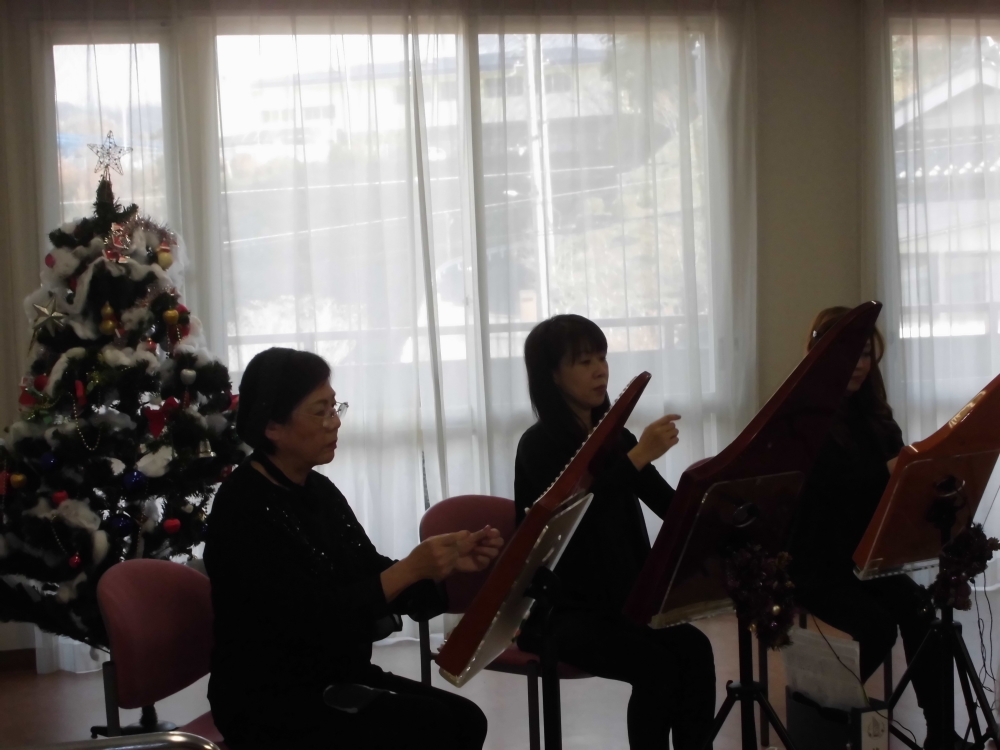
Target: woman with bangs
x,y
837,503
672,671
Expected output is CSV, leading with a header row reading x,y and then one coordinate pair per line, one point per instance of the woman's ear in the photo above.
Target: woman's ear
x,y
274,432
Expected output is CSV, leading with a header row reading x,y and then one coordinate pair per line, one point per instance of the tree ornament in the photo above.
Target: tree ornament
x,y
50,260
48,461
17,481
26,399
172,525
226,471
109,154
122,524
134,480
170,317
107,311
40,382
151,345
107,327
182,309
58,498
81,393
205,449
164,259
48,318
188,377
75,561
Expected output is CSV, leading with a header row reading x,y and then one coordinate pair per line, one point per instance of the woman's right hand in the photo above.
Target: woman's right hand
x,y
656,439
437,557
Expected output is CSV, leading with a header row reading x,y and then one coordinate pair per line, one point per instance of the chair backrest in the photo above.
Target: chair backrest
x,y
158,615
461,513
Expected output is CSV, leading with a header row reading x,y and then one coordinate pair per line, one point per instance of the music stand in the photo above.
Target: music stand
x,y
759,472
932,495
493,619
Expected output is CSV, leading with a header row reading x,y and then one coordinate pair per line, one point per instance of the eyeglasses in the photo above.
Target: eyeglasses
x,y
339,408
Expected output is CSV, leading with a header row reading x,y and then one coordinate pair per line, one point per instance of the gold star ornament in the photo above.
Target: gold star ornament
x,y
48,317
109,154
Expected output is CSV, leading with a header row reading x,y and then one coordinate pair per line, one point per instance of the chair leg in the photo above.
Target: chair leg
x,y
887,684
425,652
765,726
110,674
534,726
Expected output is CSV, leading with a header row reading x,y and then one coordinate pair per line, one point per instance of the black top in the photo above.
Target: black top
x,y
297,593
606,554
841,493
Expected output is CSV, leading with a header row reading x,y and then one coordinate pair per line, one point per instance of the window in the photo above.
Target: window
x,y
101,88
946,135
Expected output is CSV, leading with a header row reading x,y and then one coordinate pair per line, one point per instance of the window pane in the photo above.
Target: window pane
x,y
110,87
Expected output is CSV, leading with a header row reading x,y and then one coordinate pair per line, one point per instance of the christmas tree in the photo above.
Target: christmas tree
x,y
127,422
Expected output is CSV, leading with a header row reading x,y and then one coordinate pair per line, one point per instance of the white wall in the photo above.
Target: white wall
x,y
809,81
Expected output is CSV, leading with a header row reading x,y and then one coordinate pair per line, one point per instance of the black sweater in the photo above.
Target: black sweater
x,y
606,554
841,494
296,591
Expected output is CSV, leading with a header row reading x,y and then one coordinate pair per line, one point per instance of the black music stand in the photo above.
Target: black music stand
x,y
932,496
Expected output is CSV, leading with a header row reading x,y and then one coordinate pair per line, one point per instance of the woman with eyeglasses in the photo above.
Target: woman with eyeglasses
x,y
837,503
300,593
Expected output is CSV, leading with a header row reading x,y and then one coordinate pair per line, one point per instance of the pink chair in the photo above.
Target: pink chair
x,y
473,512
158,615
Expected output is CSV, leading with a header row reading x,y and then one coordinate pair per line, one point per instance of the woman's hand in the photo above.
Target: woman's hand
x,y
656,439
439,556
484,546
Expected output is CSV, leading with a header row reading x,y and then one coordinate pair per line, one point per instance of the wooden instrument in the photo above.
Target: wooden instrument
x,y
492,621
751,486
953,467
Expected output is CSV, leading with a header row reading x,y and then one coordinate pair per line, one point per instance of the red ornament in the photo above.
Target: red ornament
x,y
81,393
4,478
50,260
151,345
234,402
182,309
72,283
58,498
171,525
171,405
186,400
75,561
26,399
185,331
226,471
40,382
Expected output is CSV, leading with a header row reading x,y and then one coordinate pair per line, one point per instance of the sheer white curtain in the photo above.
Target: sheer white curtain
x,y
933,208
407,194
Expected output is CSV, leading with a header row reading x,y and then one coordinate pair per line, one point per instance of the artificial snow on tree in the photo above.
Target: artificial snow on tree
x,y
127,422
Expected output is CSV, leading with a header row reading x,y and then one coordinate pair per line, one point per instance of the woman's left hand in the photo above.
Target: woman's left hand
x,y
478,550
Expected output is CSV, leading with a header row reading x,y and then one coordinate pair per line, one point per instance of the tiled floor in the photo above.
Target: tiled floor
x,y
38,709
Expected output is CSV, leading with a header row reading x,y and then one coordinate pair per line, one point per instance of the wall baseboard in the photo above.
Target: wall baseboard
x,y
17,659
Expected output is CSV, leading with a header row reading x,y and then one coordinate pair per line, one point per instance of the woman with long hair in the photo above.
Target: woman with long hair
x,y
838,501
672,671
299,591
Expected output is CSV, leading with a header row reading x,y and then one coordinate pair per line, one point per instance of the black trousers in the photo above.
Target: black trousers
x,y
871,611
671,671
413,716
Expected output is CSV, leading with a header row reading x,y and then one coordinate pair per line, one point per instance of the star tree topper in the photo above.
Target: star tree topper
x,y
109,154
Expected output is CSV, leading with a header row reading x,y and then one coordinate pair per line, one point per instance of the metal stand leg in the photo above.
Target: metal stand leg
x,y
534,730
762,676
748,692
551,707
